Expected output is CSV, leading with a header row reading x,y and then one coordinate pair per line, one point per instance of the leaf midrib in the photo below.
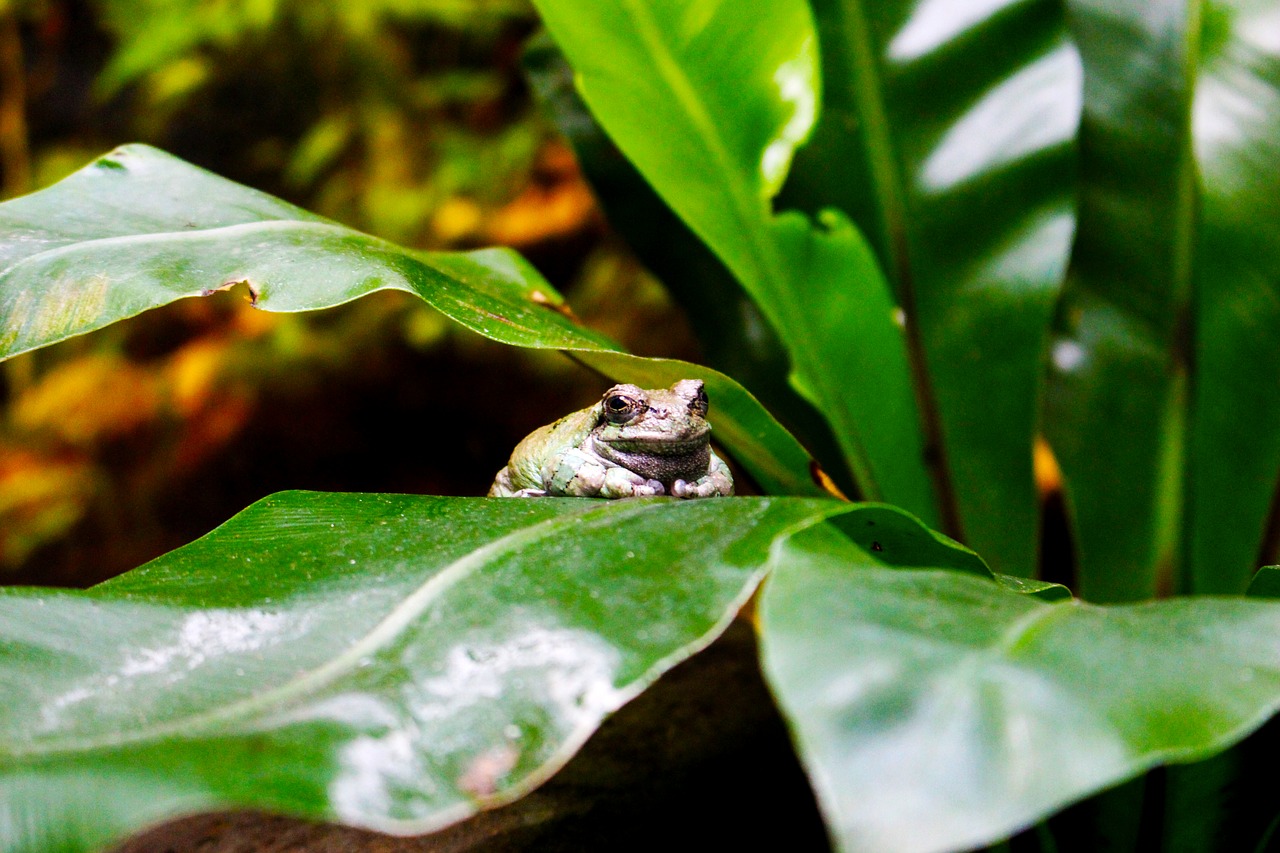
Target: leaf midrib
x,y
184,235
747,210
753,218
867,89
379,637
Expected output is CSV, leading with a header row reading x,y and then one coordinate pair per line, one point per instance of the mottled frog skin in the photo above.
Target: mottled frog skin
x,y
633,443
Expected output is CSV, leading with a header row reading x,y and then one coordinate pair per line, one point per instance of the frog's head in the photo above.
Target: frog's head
x,y
661,433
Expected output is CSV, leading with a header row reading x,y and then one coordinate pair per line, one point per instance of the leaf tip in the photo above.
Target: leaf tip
x,y
824,481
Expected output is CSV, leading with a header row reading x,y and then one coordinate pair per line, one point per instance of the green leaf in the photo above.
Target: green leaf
x,y
947,134
1117,385
1042,590
1170,313
1118,381
1233,453
733,337
1115,402
1266,583
719,310
396,662
139,228
709,104
936,711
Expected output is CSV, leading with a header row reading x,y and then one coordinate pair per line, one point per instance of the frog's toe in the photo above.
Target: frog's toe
x,y
530,493
705,488
650,488
681,489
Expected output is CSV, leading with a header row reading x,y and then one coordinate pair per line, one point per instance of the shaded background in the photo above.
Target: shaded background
x,y
409,119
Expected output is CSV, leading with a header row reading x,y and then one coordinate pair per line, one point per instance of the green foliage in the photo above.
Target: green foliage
x,y
734,100
138,229
387,661
1070,229
945,713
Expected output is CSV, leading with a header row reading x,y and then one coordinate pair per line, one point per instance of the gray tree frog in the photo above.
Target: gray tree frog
x,y
633,443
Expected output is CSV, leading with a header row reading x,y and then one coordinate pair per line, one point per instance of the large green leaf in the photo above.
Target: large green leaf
x,y
732,335
709,104
1233,451
396,662
139,228
936,711
1170,313
947,135
1117,386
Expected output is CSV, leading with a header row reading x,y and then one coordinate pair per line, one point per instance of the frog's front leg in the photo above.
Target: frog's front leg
x,y
504,487
576,473
621,483
717,482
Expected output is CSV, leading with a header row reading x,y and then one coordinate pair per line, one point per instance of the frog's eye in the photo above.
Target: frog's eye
x,y
619,408
699,404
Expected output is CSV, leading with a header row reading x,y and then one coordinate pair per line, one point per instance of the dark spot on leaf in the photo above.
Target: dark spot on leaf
x,y
876,546
825,482
498,317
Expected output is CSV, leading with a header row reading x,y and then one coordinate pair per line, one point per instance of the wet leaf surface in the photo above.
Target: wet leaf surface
x,y
392,662
936,711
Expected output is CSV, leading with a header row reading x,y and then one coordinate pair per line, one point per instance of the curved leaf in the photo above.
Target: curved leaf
x,y
139,228
1040,589
936,711
947,134
1266,583
395,662
709,104
733,336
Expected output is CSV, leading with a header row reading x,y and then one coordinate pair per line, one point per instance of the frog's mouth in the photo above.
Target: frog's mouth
x,y
661,445
660,458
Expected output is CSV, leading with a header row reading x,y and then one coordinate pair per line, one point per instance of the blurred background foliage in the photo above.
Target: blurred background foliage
x,y
408,119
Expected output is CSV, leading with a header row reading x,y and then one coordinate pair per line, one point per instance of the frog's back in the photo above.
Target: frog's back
x,y
524,470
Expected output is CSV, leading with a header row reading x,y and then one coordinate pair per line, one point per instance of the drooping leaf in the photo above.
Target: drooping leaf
x,y
733,337
709,104
936,711
396,662
947,134
139,228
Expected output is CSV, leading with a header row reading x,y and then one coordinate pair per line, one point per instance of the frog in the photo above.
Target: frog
x,y
634,442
